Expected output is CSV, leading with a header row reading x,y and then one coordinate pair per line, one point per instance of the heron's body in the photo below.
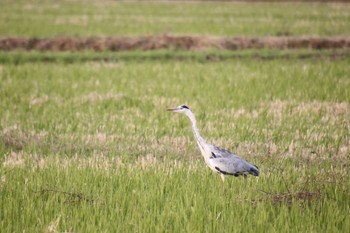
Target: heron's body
x,y
217,159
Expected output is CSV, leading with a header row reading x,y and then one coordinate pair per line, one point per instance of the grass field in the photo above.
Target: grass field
x,y
102,18
87,146
100,129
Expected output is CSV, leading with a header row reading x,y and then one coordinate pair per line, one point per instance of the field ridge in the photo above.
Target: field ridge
x,y
178,42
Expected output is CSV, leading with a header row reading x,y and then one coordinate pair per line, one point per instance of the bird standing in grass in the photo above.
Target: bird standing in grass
x,y
217,159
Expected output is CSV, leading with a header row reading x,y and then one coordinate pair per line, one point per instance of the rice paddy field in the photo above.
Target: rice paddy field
x,y
49,18
87,146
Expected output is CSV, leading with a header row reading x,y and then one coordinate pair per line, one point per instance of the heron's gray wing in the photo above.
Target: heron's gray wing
x,y
218,152
230,164
234,166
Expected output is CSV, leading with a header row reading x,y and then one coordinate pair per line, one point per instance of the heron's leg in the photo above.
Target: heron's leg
x,y
245,180
222,177
223,184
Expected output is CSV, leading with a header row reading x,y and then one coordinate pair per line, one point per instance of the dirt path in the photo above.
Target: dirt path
x,y
170,42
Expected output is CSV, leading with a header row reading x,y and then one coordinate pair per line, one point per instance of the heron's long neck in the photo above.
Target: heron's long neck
x,y
198,137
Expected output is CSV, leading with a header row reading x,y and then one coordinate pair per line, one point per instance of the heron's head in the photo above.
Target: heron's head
x,y
179,109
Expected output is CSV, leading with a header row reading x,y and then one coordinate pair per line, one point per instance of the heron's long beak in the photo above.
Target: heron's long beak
x,y
171,109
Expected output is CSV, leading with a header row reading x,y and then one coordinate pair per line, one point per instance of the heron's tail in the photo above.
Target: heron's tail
x,y
254,170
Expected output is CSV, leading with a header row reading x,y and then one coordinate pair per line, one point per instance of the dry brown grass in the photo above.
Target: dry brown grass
x,y
13,137
39,100
184,42
307,146
53,226
333,110
94,97
14,160
301,198
96,161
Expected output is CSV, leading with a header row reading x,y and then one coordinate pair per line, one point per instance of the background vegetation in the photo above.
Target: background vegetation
x,y
103,18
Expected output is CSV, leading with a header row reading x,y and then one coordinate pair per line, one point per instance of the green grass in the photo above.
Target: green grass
x,y
99,132
87,146
157,200
19,57
104,18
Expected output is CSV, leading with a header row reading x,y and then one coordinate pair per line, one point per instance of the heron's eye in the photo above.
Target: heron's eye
x,y
184,106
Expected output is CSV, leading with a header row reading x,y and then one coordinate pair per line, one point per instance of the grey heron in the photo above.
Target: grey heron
x,y
217,159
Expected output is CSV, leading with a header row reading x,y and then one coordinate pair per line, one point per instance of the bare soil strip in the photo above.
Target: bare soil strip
x,y
184,42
